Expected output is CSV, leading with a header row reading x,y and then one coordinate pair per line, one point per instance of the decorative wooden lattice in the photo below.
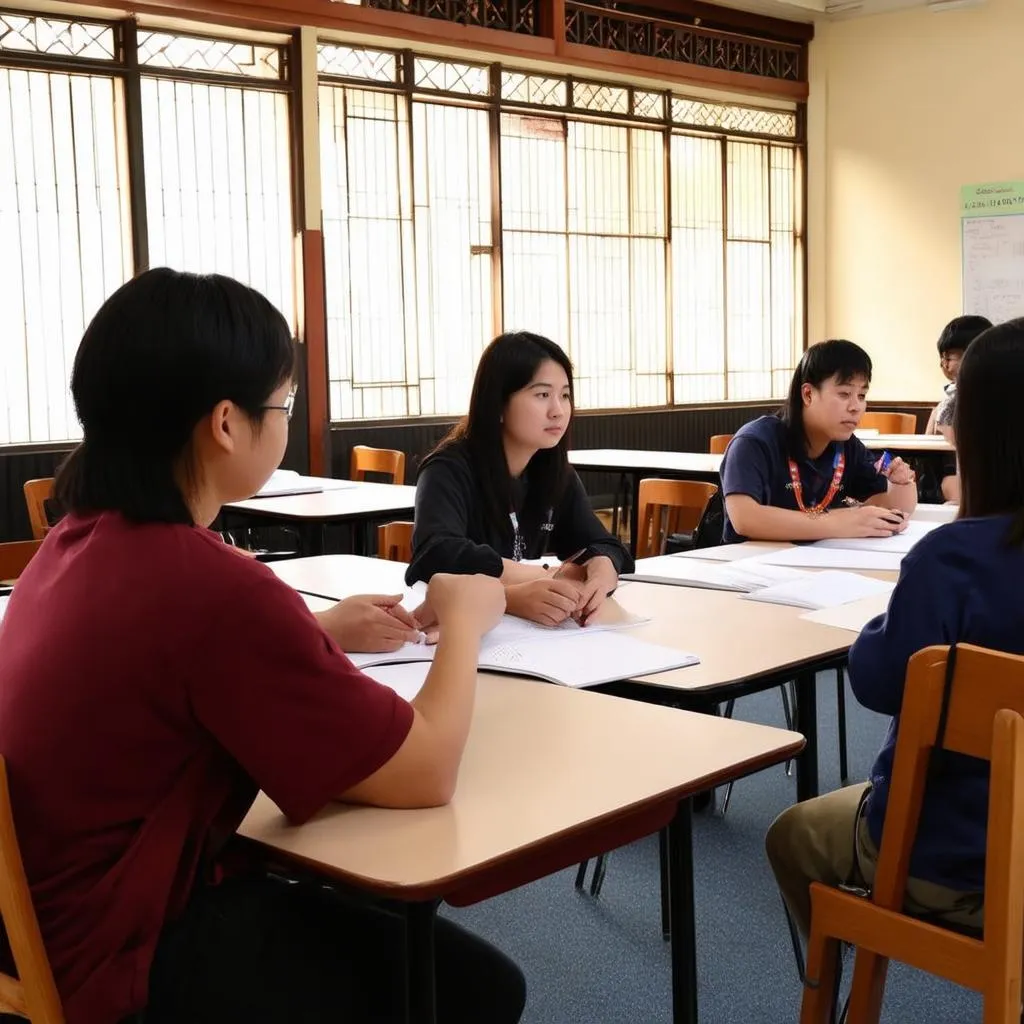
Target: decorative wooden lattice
x,y
507,15
57,37
621,31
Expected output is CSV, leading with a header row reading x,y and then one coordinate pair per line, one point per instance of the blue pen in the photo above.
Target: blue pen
x,y
884,462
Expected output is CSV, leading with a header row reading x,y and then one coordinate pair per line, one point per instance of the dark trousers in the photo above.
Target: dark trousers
x,y
267,951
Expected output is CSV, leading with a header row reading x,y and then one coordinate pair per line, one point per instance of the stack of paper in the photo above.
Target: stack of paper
x,y
742,576
3,605
287,481
854,616
813,556
901,543
822,590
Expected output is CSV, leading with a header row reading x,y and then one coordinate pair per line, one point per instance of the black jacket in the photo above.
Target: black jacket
x,y
454,534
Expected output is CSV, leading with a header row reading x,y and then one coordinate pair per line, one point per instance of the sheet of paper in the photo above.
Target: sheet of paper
x,y
902,542
811,556
728,552
406,679
854,616
742,576
3,605
828,589
580,660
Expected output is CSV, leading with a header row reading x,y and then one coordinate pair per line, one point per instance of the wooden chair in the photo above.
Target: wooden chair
x,y
394,541
386,461
984,721
15,555
37,494
667,507
719,442
890,422
33,993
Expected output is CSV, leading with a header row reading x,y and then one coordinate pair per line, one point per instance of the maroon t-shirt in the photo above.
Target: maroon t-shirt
x,y
151,680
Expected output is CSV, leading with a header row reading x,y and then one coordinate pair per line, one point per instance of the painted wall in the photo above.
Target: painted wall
x,y
905,108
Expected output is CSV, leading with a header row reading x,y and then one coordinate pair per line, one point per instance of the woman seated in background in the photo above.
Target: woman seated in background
x,y
962,583
499,491
781,474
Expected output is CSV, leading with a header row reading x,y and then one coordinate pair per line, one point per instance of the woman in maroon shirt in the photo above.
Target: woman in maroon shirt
x,y
152,680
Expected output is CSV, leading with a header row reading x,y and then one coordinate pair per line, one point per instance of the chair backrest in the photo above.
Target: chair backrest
x,y
33,993
719,442
377,460
986,683
394,541
890,422
37,493
666,507
15,555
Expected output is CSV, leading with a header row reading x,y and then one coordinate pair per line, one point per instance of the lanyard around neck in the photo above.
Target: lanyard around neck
x,y
838,466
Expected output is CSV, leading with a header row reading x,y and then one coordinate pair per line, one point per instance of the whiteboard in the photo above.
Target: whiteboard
x,y
993,266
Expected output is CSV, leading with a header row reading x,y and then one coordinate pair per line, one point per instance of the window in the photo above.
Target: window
x,y
216,154
656,238
407,240
63,214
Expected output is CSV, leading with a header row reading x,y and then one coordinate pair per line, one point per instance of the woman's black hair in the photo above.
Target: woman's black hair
x,y
159,355
837,358
989,442
958,334
507,365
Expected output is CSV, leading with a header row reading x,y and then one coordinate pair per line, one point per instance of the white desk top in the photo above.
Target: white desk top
x,y
629,459
359,500
543,764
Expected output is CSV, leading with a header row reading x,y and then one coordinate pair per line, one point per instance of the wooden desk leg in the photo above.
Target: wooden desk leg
x,y
420,1002
682,923
807,723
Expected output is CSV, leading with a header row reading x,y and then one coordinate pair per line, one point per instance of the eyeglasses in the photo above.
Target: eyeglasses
x,y
289,404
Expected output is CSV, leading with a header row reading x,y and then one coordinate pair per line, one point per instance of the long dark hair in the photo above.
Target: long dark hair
x,y
508,365
821,362
159,355
989,441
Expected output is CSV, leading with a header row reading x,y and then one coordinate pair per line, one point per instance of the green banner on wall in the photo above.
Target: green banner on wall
x,y
996,199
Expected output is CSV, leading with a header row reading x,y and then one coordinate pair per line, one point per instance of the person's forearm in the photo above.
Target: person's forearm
x,y
445,704
515,572
765,522
903,497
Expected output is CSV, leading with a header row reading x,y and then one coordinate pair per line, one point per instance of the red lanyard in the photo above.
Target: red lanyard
x,y
833,488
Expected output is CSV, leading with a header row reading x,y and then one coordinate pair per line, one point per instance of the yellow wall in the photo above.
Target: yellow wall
x,y
905,109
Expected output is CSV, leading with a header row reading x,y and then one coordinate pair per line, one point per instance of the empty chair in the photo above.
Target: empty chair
x,y
985,699
33,993
394,541
668,507
719,442
15,555
38,493
385,461
890,422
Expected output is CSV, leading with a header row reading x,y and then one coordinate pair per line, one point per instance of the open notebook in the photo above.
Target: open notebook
x,y
287,481
828,589
743,576
569,655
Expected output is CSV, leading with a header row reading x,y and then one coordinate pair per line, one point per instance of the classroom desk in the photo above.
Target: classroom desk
x,y
700,466
550,776
358,504
744,647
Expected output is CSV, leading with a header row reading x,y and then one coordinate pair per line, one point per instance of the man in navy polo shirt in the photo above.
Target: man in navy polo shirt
x,y
782,474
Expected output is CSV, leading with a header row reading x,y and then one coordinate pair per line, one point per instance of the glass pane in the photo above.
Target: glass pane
x,y
66,244
220,157
219,56
598,178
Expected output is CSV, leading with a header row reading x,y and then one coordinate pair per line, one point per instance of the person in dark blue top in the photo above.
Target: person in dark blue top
x,y
499,491
962,583
782,474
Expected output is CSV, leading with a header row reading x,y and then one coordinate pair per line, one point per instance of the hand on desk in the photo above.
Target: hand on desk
x,y
866,521
369,624
598,580
549,601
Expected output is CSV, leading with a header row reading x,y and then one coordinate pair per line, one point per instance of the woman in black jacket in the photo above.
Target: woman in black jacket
x,y
499,490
